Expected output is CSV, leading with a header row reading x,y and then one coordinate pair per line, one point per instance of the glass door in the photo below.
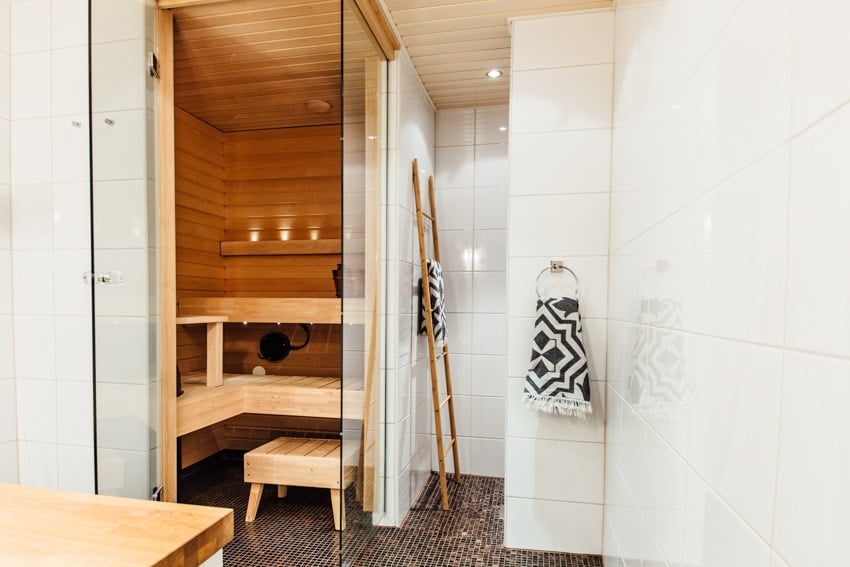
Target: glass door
x,y
125,272
363,148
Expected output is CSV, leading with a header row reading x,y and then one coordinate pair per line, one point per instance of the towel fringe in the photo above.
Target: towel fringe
x,y
558,405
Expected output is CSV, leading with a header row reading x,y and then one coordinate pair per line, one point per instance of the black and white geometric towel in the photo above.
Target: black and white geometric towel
x,y
438,304
557,379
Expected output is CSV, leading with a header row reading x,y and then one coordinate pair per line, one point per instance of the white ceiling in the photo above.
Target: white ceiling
x,y
453,43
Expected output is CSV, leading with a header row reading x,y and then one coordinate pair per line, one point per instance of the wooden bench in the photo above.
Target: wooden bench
x,y
291,461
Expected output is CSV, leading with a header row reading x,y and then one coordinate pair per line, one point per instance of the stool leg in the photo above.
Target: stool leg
x,y
281,491
339,510
254,501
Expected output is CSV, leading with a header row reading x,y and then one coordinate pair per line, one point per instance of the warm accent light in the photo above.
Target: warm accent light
x,y
494,73
318,106
503,128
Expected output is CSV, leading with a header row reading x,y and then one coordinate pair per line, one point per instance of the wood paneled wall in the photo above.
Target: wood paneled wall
x,y
322,357
258,185
200,212
282,184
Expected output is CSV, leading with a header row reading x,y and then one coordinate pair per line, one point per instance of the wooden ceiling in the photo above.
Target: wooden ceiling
x,y
252,64
453,43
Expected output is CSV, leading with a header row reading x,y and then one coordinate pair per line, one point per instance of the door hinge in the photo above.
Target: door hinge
x,y
153,65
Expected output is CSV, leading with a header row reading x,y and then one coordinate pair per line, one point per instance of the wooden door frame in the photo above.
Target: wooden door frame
x,y
167,254
383,33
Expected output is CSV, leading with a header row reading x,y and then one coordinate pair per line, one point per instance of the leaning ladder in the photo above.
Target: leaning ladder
x,y
433,356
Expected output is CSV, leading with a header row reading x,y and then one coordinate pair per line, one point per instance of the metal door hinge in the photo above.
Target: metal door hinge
x,y
153,65
103,278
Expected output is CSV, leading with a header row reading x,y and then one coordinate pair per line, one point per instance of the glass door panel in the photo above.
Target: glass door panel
x,y
363,133
125,276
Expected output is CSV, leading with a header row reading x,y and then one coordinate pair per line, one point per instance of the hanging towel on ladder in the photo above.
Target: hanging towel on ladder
x,y
438,304
557,379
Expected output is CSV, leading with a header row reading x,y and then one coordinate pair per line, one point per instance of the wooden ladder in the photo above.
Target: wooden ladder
x,y
433,356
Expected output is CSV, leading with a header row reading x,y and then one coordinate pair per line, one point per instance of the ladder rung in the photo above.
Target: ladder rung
x,y
426,215
449,448
444,402
439,356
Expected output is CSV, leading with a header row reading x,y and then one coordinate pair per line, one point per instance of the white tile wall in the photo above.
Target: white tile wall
x,y
472,206
728,314
560,136
45,242
411,135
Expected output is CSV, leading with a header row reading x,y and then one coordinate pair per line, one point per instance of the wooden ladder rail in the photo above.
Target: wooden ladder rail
x,y
429,327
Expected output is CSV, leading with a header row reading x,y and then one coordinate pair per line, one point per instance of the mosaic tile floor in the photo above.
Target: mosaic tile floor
x,y
297,531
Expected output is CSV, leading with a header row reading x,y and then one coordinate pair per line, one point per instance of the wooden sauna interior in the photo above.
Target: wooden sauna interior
x,y
258,211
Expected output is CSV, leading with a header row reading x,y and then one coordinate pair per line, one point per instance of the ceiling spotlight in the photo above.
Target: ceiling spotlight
x,y
494,73
503,128
318,106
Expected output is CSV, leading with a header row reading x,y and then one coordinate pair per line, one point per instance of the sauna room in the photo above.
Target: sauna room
x,y
276,200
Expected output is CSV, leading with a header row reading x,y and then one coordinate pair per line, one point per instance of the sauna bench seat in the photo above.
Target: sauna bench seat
x,y
308,396
51,527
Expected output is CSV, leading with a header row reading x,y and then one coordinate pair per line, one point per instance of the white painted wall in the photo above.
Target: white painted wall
x,y
411,135
729,344
472,211
8,409
560,137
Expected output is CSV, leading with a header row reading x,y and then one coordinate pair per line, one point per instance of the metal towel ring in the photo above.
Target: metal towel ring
x,y
555,267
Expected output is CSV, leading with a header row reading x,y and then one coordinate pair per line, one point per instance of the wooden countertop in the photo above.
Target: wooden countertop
x,y
50,527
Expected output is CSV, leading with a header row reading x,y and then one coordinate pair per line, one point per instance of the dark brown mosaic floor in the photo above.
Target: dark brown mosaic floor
x,y
297,531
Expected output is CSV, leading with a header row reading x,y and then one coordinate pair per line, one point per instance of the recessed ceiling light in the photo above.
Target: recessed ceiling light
x,y
503,128
494,73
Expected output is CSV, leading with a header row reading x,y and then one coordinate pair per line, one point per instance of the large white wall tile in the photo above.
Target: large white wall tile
x,y
31,151
30,85
563,41
818,311
36,410
38,464
561,162
557,526
559,225
77,466
820,47
32,211
30,28
565,471
570,98
812,493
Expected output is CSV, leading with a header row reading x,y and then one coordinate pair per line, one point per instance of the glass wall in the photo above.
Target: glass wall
x,y
124,248
363,133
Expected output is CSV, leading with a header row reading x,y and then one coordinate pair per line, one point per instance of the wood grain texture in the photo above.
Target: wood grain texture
x,y
281,247
283,184
200,210
264,310
167,254
306,396
50,527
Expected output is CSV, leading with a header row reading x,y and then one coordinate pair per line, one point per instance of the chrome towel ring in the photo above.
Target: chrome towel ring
x,y
555,267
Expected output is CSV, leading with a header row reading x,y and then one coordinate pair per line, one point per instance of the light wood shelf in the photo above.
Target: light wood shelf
x,y
280,247
306,396
264,309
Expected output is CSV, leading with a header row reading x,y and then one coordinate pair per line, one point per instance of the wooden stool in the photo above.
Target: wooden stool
x,y
291,461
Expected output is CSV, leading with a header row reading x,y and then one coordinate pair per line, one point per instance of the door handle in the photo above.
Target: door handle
x,y
114,278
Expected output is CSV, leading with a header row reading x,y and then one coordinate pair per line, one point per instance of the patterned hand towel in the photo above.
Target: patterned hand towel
x,y
438,304
558,380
